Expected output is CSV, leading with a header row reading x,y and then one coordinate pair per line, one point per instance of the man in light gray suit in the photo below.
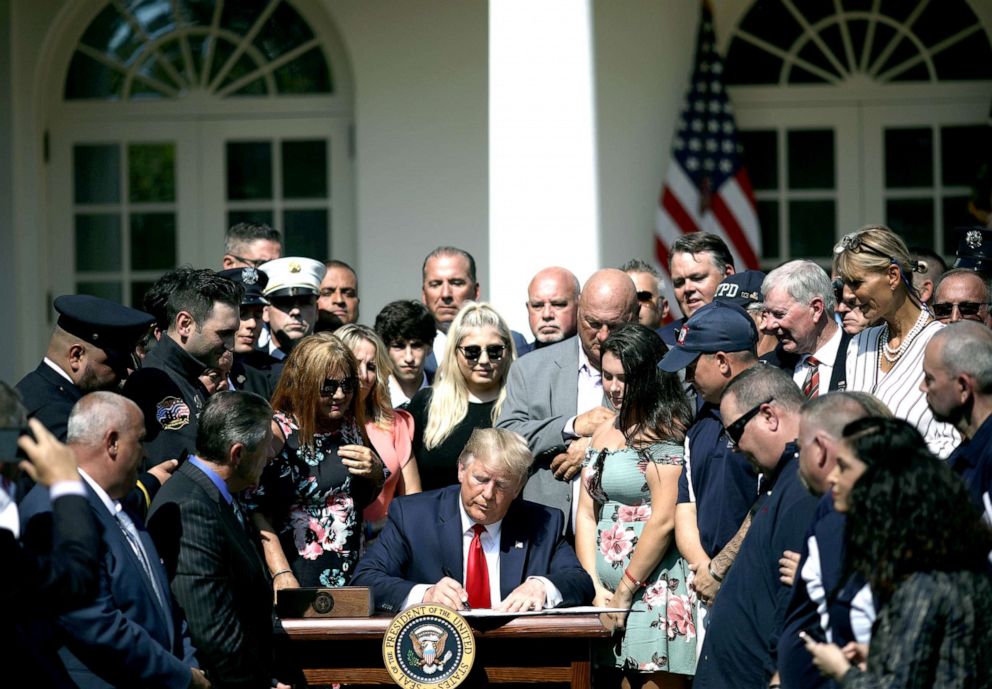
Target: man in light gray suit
x,y
554,396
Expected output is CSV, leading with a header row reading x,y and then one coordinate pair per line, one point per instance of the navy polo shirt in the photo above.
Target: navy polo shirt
x,y
723,483
972,461
816,601
746,619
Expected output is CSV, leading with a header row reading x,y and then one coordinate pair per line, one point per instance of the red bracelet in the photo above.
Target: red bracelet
x,y
637,584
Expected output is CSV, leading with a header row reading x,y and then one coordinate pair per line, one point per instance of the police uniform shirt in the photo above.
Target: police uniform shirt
x,y
739,649
169,392
972,461
49,395
721,482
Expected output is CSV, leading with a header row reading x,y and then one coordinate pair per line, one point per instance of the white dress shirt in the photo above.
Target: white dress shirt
x,y
490,549
590,391
826,355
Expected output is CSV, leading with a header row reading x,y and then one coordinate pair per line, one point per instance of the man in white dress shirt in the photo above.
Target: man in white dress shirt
x,y
799,311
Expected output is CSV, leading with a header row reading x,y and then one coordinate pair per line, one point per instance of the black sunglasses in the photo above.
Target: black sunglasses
x,y
736,429
253,262
474,352
967,309
838,286
644,295
330,386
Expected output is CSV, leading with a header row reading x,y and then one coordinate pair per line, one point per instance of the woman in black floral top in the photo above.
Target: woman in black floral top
x,y
309,503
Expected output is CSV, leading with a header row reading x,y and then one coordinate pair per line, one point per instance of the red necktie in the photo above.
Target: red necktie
x,y
477,573
811,386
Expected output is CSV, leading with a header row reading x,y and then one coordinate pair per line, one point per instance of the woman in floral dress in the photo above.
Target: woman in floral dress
x,y
626,516
309,503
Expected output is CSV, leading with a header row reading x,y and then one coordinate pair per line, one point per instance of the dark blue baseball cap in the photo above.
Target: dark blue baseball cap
x,y
743,288
717,327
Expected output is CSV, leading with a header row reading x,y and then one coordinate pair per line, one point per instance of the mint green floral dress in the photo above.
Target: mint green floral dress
x,y
660,634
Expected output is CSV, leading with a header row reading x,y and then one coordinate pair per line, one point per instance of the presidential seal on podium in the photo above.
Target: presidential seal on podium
x,y
428,646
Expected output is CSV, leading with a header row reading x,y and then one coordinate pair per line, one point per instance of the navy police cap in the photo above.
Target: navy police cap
x,y
103,323
254,282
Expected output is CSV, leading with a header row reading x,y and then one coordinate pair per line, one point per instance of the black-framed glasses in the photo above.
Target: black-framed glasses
x,y
253,262
967,309
855,244
644,295
736,429
473,353
330,386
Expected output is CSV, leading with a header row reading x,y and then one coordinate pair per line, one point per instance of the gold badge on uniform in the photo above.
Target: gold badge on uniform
x,y
428,645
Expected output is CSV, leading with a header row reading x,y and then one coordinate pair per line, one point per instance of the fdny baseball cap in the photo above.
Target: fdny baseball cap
x,y
717,327
292,276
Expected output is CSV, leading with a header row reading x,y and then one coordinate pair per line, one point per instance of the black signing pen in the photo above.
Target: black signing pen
x,y
447,572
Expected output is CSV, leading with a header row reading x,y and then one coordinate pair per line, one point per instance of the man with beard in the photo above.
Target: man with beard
x,y
90,349
202,315
957,378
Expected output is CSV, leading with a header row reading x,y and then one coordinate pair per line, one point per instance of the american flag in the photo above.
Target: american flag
x,y
707,187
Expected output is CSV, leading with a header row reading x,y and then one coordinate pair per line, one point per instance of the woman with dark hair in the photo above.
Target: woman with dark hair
x,y
308,506
913,534
886,360
626,515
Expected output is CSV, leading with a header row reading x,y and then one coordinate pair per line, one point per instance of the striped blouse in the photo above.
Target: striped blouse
x,y
899,389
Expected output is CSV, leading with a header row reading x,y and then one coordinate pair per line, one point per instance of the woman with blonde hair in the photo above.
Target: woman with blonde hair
x,y
308,505
391,431
887,360
467,393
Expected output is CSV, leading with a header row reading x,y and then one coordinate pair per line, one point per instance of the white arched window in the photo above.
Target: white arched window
x,y
858,111
179,118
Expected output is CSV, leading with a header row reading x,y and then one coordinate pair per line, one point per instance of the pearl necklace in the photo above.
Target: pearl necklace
x,y
892,355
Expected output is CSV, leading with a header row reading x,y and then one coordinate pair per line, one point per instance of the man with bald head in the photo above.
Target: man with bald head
x,y
554,397
552,305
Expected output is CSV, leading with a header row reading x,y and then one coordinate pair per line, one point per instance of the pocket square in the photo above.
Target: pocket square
x,y
519,544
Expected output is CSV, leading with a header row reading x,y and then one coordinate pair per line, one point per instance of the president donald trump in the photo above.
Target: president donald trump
x,y
475,545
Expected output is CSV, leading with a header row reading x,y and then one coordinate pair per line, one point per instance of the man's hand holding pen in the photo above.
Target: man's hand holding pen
x,y
448,592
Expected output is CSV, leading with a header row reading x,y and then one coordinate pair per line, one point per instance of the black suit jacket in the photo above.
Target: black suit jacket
x,y
838,378
422,543
35,587
49,398
218,577
124,637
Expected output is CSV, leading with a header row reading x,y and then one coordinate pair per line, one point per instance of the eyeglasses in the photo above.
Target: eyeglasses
x,y
838,286
645,295
253,262
472,353
736,429
330,386
855,244
967,309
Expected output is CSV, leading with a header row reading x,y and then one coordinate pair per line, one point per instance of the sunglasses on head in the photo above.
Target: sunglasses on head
x,y
967,309
856,245
736,429
474,352
330,386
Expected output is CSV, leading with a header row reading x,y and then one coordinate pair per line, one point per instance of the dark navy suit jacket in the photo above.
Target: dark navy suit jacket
x,y
422,543
124,638
49,398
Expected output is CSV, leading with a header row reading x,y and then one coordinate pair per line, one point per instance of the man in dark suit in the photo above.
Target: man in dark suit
x,y
211,553
35,586
132,634
90,349
799,311
475,544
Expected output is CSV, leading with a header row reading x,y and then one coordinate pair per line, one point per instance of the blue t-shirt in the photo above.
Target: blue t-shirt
x,y
723,483
972,461
746,618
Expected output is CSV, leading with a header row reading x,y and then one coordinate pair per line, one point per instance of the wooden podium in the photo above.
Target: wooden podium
x,y
544,649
